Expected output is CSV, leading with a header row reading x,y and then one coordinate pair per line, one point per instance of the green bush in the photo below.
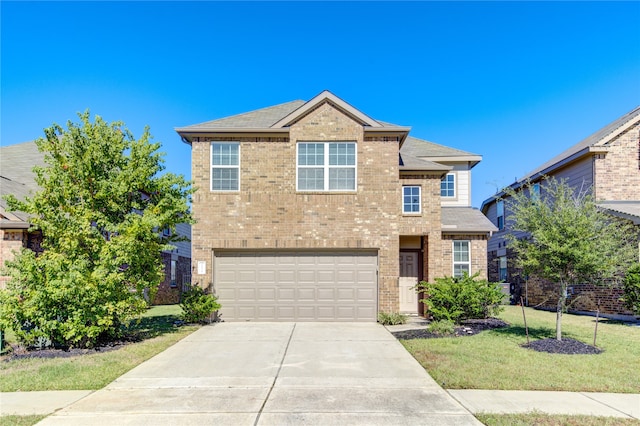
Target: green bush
x,y
631,289
393,318
459,298
442,327
198,304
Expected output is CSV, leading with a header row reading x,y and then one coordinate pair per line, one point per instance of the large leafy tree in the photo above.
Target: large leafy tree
x,y
102,204
560,235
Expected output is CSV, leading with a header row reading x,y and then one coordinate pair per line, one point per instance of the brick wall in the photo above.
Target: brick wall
x,y
617,174
10,240
581,297
269,213
168,292
478,247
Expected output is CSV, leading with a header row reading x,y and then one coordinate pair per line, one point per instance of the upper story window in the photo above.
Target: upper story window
x,y
535,189
225,166
461,258
411,200
448,185
500,214
326,166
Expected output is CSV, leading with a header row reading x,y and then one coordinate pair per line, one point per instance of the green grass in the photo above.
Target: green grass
x,y
155,330
495,359
540,419
20,420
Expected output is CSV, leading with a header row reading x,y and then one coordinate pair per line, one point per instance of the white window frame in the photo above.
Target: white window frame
x,y
460,262
444,179
223,166
404,195
327,167
500,214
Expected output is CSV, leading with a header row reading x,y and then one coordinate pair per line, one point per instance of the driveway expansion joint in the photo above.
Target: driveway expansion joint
x,y
275,379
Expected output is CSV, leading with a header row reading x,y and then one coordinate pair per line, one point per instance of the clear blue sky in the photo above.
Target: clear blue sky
x,y
516,82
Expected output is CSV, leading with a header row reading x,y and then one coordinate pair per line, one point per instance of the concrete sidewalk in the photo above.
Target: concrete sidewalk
x,y
476,401
294,373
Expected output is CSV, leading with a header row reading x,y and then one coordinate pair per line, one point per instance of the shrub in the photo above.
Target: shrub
x,y
459,298
198,304
442,327
631,289
393,318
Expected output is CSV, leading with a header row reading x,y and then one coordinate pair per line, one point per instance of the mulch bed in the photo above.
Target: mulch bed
x,y
565,346
467,328
20,352
471,327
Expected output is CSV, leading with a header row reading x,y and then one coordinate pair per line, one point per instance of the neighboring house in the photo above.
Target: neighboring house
x,y
313,211
17,178
608,164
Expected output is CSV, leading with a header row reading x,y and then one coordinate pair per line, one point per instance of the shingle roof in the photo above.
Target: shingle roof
x,y
598,138
261,118
465,220
16,175
422,148
626,209
409,163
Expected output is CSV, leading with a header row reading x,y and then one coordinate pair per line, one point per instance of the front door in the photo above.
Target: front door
x,y
409,267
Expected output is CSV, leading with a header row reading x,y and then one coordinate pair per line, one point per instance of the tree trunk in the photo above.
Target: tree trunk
x,y
561,302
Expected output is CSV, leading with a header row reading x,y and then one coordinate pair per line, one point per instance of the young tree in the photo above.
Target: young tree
x,y
101,207
562,236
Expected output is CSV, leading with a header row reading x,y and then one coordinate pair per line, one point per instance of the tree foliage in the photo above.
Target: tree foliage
x,y
631,289
101,207
562,236
459,298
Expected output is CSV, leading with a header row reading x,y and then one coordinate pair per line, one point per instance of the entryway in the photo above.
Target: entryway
x,y
409,277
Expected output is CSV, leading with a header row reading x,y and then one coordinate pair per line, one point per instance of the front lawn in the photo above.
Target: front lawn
x,y
495,359
155,330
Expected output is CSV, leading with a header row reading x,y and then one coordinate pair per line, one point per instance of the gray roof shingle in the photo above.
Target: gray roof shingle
x,y
465,220
16,175
258,119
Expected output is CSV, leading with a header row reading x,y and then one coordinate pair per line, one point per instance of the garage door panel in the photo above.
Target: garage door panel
x,y
326,294
297,286
286,294
306,294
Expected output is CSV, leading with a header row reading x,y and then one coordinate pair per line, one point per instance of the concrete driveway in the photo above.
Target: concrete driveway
x,y
274,374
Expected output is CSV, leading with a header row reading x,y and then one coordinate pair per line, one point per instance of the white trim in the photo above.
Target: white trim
x,y
419,212
327,167
211,166
453,256
455,186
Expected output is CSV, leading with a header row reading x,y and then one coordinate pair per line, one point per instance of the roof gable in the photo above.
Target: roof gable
x,y
594,142
336,102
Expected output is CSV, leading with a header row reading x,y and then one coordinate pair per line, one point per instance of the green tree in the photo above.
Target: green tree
x,y
631,289
101,207
561,235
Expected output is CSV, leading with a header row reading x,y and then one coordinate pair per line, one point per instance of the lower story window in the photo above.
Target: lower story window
x,y
461,258
502,268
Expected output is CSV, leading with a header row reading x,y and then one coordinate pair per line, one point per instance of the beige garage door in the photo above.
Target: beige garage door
x,y
297,286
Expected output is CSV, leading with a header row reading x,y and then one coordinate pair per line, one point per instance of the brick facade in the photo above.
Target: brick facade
x,y
169,291
617,174
478,248
269,213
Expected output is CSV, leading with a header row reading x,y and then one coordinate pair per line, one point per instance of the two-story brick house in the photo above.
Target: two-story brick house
x,y
607,163
315,211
